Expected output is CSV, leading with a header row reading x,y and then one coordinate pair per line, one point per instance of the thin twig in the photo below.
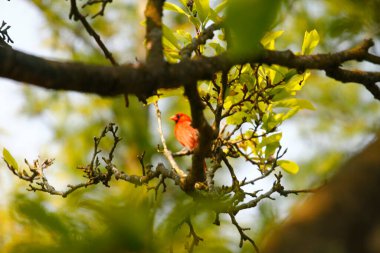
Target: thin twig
x,y
243,235
166,151
74,13
92,2
201,39
235,181
192,233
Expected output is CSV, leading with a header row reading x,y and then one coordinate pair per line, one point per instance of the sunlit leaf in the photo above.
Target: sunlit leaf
x,y
9,159
213,15
183,37
169,35
297,81
294,102
269,38
217,47
288,166
290,113
165,93
270,149
220,7
172,7
203,9
195,21
274,138
238,118
310,41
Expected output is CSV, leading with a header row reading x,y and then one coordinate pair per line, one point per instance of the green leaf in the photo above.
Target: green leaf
x,y
297,82
213,15
270,149
238,117
203,9
289,75
220,7
195,21
172,7
288,166
169,35
217,47
163,93
294,103
247,21
290,113
9,159
310,41
274,138
269,38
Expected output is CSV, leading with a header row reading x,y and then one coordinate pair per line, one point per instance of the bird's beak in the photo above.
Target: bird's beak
x,y
174,118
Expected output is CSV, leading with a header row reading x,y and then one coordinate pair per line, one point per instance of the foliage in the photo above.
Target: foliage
x,y
246,106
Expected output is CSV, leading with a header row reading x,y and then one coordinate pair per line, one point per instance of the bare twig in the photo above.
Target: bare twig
x,y
235,181
183,152
201,39
157,186
268,172
75,13
93,2
243,235
193,234
141,160
5,39
166,151
94,174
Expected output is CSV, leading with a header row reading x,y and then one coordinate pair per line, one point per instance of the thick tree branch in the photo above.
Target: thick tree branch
x,y
205,135
153,14
368,79
155,55
140,80
343,216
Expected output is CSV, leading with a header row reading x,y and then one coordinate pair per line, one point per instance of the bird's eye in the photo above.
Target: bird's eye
x,y
178,116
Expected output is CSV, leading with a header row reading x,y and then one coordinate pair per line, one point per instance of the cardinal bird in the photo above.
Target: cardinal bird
x,y
187,135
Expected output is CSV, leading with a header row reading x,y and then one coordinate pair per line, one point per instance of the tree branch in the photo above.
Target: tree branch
x,y
208,33
74,13
94,172
141,81
199,122
5,39
343,216
153,14
166,151
93,2
243,235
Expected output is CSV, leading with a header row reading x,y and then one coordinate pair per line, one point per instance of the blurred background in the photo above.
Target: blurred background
x,y
49,124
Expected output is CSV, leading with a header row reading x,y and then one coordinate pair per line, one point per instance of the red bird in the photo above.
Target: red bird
x,y
187,135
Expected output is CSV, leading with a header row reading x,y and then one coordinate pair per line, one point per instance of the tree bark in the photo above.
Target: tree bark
x,y
143,80
344,216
